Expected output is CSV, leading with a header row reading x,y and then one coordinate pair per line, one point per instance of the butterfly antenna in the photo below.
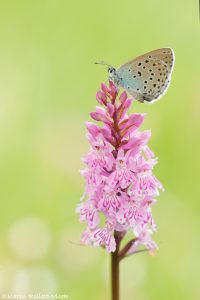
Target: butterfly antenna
x,y
102,63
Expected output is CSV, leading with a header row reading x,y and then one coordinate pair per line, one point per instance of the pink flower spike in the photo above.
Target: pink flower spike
x,y
101,97
119,180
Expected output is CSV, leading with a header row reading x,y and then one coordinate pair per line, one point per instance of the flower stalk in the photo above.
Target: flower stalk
x,y
115,269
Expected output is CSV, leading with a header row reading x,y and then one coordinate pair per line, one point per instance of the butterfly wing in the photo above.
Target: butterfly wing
x,y
147,77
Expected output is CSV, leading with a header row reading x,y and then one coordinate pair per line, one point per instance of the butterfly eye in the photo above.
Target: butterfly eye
x,y
111,70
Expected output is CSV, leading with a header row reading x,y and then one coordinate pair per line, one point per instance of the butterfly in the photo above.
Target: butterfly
x,y
147,77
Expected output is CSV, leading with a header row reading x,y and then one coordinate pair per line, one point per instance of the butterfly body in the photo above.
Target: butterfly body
x,y
146,77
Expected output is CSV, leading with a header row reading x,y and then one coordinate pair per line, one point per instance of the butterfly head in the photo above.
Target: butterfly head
x,y
112,73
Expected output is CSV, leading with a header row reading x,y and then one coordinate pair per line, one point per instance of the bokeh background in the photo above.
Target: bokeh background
x,y
48,82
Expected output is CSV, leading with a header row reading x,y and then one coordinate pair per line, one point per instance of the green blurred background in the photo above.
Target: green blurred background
x,y
48,82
